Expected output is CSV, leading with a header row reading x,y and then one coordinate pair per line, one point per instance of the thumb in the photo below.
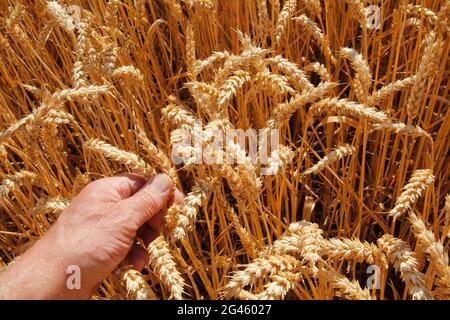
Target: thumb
x,y
150,199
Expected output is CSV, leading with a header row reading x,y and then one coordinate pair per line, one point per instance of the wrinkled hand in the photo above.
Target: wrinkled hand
x,y
95,233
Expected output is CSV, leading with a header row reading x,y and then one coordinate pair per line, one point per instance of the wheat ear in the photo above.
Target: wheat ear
x,y
283,111
346,288
178,116
320,69
280,284
286,13
332,157
157,157
346,107
229,88
303,238
126,158
128,71
136,286
292,71
400,255
317,34
421,11
401,128
163,264
186,212
14,181
427,68
352,249
363,78
267,265
60,15
435,251
377,97
412,191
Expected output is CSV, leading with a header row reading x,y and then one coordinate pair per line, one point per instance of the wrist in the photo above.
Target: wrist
x,y
40,273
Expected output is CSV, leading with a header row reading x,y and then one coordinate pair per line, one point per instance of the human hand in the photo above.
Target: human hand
x,y
95,233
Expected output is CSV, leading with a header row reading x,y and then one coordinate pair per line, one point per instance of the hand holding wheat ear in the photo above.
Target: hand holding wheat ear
x,y
95,232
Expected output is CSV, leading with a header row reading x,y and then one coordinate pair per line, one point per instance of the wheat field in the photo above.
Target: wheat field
x,y
361,110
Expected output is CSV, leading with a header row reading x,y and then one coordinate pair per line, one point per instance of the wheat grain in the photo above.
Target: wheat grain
x,y
109,59
157,157
352,249
56,205
303,238
264,23
175,10
274,83
356,8
190,52
313,6
334,156
229,88
320,69
178,116
279,285
279,159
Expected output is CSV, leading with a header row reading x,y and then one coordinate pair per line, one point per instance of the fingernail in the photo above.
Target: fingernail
x,y
161,183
